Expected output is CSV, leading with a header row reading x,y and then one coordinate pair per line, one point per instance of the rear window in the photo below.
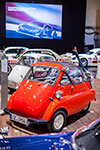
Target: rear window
x,y
89,53
16,51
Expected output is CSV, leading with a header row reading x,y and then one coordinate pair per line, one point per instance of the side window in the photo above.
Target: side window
x,y
19,51
11,51
64,80
15,50
46,58
75,74
98,53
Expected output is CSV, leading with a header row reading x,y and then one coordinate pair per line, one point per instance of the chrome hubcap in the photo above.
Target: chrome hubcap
x,y
59,121
84,62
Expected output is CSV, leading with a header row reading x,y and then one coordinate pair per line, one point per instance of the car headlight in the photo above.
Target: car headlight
x,y
58,94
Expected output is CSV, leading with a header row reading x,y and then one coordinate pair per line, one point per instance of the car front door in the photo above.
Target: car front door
x,y
98,55
75,92
81,92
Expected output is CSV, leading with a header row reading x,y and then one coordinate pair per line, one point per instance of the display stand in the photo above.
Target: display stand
x,y
98,71
4,83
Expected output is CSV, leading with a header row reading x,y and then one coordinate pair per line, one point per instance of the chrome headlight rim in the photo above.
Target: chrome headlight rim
x,y
58,94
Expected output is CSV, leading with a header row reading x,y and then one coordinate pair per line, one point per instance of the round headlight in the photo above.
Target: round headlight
x,y
58,94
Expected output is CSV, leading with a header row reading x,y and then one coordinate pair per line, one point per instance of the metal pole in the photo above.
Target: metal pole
x,y
4,83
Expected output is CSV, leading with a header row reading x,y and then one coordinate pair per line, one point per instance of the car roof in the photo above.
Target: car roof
x,y
37,55
63,63
16,47
55,64
43,51
95,50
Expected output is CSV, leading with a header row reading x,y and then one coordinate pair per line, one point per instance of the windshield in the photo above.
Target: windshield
x,y
43,74
89,53
88,138
19,52
26,60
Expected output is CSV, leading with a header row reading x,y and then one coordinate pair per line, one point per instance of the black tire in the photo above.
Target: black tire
x,y
9,69
85,110
53,125
84,62
11,90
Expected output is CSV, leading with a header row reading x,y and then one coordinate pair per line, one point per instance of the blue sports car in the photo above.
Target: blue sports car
x,y
86,138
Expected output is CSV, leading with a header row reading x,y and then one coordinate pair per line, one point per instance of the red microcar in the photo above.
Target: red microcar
x,y
49,93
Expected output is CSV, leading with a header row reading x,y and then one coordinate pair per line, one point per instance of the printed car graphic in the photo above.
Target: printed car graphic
x,y
40,31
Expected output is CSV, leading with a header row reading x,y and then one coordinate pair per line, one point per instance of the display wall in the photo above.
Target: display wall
x,y
33,21
68,25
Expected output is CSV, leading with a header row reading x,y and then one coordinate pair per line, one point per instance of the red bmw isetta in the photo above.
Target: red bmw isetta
x,y
49,93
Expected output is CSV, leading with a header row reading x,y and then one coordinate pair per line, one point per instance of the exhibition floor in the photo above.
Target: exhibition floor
x,y
73,122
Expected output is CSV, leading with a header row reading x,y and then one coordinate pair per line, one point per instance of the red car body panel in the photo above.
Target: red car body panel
x,y
72,104
32,98
32,103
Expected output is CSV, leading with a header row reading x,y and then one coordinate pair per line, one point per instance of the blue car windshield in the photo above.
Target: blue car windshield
x,y
89,134
43,74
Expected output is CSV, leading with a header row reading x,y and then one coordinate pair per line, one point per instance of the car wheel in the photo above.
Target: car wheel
x,y
85,110
57,121
11,90
84,62
9,69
